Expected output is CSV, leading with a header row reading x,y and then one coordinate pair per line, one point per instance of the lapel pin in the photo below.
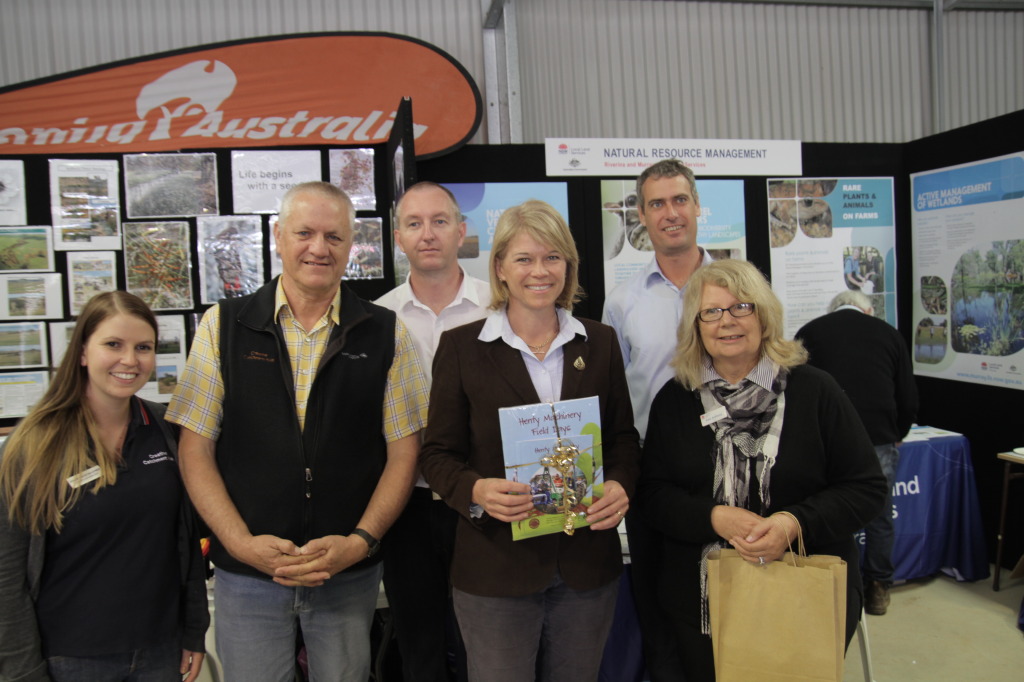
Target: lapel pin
x,y
579,364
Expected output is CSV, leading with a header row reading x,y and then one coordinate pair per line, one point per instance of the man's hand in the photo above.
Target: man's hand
x,y
504,500
267,553
320,559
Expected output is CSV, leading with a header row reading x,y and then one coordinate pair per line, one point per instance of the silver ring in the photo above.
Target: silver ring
x,y
760,560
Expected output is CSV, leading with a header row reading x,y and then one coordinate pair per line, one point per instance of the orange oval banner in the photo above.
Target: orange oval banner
x,y
311,89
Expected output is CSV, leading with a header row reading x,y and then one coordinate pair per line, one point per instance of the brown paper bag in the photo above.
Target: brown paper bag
x,y
782,622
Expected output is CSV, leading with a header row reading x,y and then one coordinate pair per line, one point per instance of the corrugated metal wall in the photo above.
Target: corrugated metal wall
x,y
608,68
723,70
984,65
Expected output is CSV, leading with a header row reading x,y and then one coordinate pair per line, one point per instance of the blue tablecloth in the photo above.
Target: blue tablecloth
x,y
936,511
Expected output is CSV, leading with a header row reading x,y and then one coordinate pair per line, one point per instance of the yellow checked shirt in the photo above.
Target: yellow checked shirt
x,y
197,403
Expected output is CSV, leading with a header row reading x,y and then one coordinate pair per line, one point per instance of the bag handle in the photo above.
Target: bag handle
x,y
801,549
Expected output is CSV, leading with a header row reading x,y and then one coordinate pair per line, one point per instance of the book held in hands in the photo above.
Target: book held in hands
x,y
556,449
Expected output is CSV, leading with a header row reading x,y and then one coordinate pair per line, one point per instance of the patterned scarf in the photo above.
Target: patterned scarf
x,y
746,444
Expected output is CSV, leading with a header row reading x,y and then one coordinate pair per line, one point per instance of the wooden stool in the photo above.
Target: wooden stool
x,y
1010,458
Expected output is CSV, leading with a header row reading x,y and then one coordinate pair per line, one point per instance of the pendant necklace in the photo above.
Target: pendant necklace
x,y
537,349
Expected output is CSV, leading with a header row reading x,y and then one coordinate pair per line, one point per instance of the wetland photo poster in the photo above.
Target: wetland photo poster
x,y
968,303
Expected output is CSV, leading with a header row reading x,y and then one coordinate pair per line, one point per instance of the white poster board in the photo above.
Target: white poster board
x,y
830,235
259,178
968,304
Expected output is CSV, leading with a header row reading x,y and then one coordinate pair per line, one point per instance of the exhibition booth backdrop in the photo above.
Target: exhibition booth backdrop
x,y
983,413
987,415
990,416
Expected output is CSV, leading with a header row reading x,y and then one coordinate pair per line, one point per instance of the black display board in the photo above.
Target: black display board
x,y
989,416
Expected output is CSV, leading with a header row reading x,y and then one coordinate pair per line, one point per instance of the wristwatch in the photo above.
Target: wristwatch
x,y
372,542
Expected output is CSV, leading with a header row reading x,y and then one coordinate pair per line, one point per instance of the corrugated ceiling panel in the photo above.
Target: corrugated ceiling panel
x,y
706,69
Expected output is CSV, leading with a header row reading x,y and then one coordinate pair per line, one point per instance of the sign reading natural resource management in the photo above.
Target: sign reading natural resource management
x,y
610,157
315,89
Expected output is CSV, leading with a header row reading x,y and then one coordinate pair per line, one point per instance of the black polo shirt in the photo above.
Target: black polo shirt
x,y
111,577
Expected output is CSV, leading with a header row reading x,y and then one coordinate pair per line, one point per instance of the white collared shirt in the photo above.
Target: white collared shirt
x,y
545,374
645,311
470,304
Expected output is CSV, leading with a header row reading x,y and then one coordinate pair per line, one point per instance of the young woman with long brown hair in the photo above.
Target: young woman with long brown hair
x,y
101,573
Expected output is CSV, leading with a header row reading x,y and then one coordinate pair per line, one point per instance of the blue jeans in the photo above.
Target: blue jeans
x,y
256,622
154,664
566,627
879,533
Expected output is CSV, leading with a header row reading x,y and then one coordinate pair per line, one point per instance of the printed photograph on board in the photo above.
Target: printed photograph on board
x,y
26,249
987,311
158,264
89,273
171,185
85,204
22,345
27,296
19,391
352,171
230,256
12,192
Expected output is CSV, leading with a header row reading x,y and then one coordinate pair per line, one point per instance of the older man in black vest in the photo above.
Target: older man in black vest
x,y
301,407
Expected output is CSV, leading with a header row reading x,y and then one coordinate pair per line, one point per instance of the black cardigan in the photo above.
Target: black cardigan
x,y
826,474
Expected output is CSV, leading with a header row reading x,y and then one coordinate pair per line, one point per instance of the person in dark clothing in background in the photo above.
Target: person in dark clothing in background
x,y
870,361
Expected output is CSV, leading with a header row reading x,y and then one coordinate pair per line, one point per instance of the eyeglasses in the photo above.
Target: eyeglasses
x,y
736,310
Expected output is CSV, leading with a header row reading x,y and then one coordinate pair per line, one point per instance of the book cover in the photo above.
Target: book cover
x,y
535,440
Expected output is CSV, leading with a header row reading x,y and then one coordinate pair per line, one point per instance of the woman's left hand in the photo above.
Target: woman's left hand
x,y
609,511
767,541
191,664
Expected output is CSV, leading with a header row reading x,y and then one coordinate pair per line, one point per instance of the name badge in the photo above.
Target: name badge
x,y
714,415
90,474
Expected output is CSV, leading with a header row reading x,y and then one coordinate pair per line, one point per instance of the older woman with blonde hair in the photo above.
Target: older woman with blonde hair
x,y
746,446
551,596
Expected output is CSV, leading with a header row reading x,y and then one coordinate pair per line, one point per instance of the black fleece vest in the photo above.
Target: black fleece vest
x,y
301,485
